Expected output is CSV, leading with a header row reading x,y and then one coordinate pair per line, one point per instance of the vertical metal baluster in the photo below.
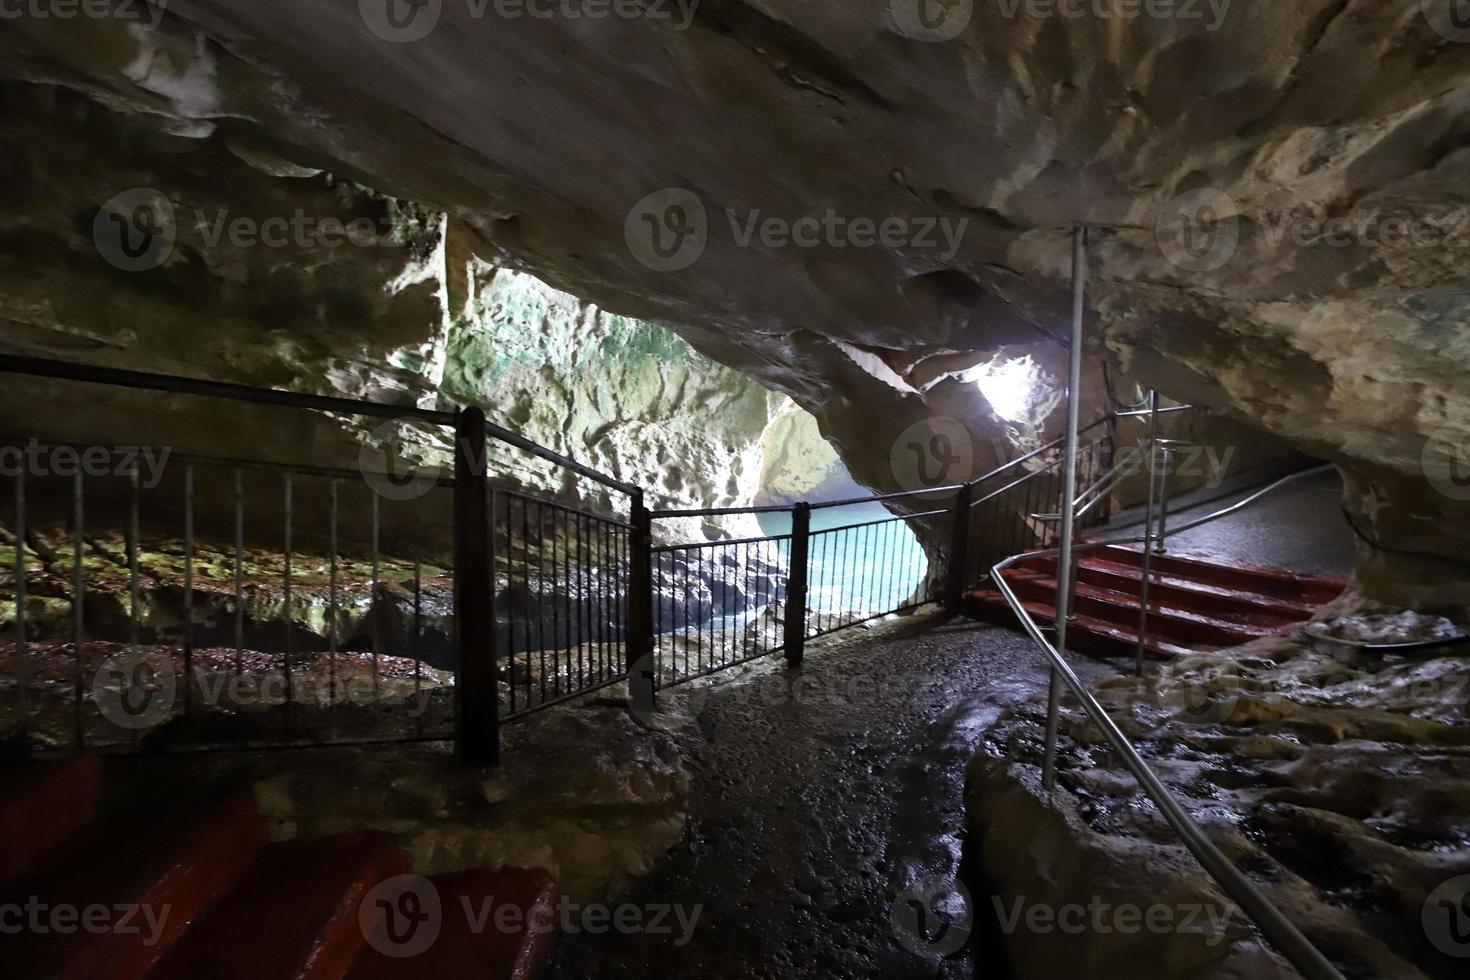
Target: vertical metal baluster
x,y
332,548
620,626
594,567
541,605
286,608
510,583
589,601
599,584
725,611
239,573
418,625
534,595
884,559
22,650
834,572
188,589
747,603
582,639
571,600
867,533
555,608
704,576
373,602
687,557
134,631
79,608
606,601
891,599
510,624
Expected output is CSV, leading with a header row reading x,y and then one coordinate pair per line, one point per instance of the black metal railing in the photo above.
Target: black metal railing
x,y
717,604
358,605
1011,508
861,571
562,585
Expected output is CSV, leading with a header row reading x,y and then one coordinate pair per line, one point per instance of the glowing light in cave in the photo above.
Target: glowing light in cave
x,y
1009,385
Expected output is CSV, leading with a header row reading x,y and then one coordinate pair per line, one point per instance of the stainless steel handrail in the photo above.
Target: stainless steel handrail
x,y
1267,917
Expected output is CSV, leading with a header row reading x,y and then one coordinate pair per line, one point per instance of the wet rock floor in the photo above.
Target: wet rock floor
x,y
821,799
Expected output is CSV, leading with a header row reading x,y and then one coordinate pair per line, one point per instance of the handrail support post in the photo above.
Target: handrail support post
x,y
477,696
794,634
638,647
1149,542
959,549
1069,495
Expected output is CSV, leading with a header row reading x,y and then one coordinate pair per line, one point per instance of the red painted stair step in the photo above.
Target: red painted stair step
x,y
160,873
42,805
1261,580
474,938
1084,634
292,915
1181,625
1216,600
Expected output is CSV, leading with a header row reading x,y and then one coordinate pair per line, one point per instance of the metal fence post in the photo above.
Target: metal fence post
x,y
477,707
959,549
1065,583
794,640
638,645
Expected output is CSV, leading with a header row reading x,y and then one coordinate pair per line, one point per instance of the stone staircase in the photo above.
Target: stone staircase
x,y
194,893
1195,604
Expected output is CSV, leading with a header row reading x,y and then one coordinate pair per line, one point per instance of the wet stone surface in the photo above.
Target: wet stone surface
x,y
821,800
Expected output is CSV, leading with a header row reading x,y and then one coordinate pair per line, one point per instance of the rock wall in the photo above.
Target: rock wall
x,y
409,312
559,141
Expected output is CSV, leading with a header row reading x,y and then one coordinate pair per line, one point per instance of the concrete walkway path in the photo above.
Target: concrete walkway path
x,y
822,801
